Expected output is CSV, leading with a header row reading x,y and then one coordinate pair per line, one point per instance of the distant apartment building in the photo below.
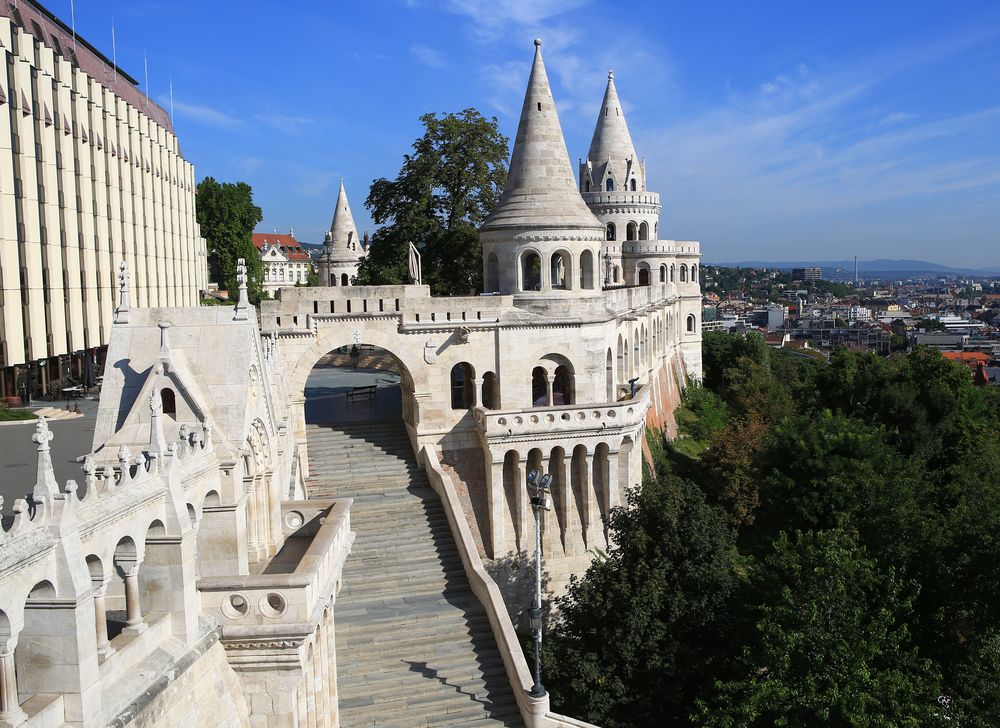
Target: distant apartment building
x,y
807,274
860,313
91,174
286,262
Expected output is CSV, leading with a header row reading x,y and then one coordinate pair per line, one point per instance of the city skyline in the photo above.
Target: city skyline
x,y
819,132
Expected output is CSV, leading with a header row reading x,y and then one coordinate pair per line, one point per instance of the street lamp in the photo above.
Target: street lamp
x,y
539,502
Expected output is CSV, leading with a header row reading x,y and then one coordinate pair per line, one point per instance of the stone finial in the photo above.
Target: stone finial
x,y
121,313
164,341
242,303
46,486
538,42
206,429
124,456
157,442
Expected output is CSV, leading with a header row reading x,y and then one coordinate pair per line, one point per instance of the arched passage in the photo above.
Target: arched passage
x,y
492,273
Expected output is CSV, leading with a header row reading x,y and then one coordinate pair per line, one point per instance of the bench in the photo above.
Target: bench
x,y
368,392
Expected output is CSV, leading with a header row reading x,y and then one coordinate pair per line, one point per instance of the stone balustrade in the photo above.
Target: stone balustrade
x,y
573,419
289,588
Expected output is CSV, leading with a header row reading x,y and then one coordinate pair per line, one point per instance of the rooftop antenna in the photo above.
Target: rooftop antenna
x,y
145,69
72,22
855,271
114,51
171,101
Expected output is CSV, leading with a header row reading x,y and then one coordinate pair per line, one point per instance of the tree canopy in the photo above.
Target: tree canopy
x,y
227,217
445,189
843,515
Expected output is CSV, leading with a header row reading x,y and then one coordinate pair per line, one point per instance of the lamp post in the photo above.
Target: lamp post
x,y
540,503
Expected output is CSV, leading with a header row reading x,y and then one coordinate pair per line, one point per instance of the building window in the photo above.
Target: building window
x,y
462,392
531,271
611,231
691,324
609,185
633,184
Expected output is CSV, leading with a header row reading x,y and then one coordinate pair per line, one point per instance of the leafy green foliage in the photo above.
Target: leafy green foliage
x,y
635,637
861,498
445,189
227,217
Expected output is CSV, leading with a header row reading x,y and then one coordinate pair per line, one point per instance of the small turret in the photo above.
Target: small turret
x,y
612,164
341,251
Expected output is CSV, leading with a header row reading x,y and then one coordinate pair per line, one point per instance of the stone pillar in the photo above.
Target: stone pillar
x,y
550,379
134,623
104,648
262,508
10,712
523,539
612,489
587,495
253,540
494,498
477,392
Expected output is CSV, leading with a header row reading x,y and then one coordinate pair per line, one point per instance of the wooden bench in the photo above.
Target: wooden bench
x,y
368,392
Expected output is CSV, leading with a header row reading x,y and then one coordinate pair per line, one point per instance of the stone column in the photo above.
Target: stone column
x,y
587,494
134,623
253,541
10,712
612,489
550,379
104,648
477,390
263,537
521,504
495,496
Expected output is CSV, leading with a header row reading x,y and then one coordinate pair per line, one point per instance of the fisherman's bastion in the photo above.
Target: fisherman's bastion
x,y
243,546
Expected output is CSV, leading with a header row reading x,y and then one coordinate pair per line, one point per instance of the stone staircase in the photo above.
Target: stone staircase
x,y
414,646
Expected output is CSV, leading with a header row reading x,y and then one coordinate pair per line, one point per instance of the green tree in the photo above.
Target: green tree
x,y
227,217
637,636
445,189
832,645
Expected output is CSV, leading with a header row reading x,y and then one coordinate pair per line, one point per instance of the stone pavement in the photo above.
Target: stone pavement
x,y
18,454
326,396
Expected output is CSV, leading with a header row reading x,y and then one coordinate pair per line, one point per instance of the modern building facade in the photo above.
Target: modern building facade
x,y
286,262
91,173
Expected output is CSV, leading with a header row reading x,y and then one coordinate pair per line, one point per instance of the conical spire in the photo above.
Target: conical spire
x,y
541,192
343,238
612,144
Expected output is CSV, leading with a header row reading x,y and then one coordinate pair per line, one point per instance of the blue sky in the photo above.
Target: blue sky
x,y
772,130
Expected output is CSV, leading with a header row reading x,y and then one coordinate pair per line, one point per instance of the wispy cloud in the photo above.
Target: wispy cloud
x,y
207,114
429,56
315,183
284,122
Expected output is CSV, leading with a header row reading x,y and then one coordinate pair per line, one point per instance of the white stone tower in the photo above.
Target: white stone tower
x,y
342,250
613,184
541,243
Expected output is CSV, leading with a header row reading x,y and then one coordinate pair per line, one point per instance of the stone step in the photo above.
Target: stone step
x,y
414,646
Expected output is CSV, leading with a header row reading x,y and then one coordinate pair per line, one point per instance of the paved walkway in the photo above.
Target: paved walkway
x,y
326,396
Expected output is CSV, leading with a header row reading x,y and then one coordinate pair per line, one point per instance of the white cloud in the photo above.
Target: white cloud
x,y
284,122
429,56
207,114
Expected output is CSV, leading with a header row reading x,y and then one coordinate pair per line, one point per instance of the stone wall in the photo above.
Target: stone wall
x,y
201,690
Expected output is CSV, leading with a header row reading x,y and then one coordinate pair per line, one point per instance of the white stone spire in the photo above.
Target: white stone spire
x,y
541,192
343,241
611,150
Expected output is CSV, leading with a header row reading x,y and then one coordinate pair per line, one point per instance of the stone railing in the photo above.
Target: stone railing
x,y
280,604
574,418
535,712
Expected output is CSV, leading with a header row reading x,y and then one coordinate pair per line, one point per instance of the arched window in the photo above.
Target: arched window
x,y
609,185
609,374
631,231
588,185
560,270
491,391
636,361
672,271
656,230
492,273
643,231
344,281
169,401
643,276
618,273
531,271
663,274
694,274
691,324
611,231
562,386
587,270
622,348
539,387
633,184
462,386
684,273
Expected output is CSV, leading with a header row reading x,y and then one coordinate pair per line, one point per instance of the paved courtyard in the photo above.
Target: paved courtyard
x,y
327,396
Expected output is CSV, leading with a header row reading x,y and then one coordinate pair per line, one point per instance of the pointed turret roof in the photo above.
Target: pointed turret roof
x,y
343,239
612,141
541,192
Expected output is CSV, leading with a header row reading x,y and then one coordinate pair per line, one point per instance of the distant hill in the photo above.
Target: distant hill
x,y
868,267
